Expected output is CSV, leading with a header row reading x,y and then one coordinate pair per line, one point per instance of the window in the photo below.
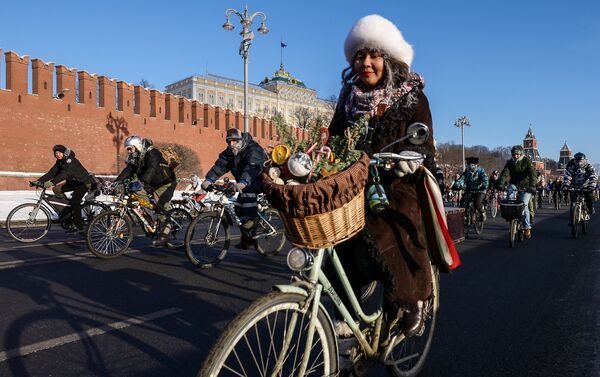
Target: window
x,y
211,99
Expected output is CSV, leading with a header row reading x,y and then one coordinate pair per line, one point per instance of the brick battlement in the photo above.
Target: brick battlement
x,y
93,116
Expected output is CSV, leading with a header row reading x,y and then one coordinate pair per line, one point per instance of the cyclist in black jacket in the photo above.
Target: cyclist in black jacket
x,y
68,174
244,158
148,165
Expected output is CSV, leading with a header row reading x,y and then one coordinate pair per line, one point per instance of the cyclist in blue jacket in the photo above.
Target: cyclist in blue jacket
x,y
475,182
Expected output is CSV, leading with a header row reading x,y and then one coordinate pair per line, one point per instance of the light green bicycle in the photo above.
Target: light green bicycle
x,y
289,332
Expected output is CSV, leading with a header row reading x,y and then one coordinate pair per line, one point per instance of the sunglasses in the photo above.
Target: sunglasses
x,y
130,149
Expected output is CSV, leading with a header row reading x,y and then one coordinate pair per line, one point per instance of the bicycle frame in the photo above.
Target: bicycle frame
x,y
313,285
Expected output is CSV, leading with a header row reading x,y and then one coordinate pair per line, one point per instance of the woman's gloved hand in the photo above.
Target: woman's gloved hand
x,y
410,164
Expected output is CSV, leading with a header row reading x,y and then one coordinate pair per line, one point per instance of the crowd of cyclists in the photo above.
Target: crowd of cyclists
x,y
519,178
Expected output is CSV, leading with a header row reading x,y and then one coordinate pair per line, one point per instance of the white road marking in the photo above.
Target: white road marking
x,y
46,260
56,342
39,245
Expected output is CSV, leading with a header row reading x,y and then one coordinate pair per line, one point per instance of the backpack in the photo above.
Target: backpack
x,y
171,156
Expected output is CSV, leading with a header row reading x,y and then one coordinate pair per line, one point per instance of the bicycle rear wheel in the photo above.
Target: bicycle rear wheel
x,y
180,222
478,222
272,244
253,342
205,244
28,222
109,234
407,356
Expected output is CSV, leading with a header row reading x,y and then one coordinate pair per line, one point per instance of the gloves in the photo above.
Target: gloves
x,y
48,184
205,184
532,190
34,183
117,187
406,167
239,186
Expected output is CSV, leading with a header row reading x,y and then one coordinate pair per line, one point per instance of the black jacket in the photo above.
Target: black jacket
x,y
152,170
68,169
246,166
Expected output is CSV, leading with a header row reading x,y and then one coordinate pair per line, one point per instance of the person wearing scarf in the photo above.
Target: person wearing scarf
x,y
393,246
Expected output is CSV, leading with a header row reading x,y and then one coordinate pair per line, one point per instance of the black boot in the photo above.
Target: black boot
x,y
161,241
412,320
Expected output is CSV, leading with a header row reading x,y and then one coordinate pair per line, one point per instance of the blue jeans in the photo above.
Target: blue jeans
x,y
524,197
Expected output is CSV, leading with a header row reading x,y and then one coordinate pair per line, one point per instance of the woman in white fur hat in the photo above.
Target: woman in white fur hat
x,y
392,248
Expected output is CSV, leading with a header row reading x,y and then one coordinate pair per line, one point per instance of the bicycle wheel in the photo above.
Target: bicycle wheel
x,y
574,220
583,222
205,244
407,356
494,207
180,222
91,209
109,234
266,243
512,232
254,341
28,222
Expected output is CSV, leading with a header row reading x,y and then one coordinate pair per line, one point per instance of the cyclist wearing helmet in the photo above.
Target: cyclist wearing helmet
x,y
580,175
519,173
493,179
244,158
68,174
475,181
149,166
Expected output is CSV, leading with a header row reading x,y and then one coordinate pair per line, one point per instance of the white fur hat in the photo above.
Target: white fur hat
x,y
377,32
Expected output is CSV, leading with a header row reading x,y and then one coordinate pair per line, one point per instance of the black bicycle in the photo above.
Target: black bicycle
x,y
30,222
473,219
579,213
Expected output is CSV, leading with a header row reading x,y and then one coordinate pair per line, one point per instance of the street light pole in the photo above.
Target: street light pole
x,y
247,37
461,123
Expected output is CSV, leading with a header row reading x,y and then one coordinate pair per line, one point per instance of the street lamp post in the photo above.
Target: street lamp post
x,y
461,123
247,37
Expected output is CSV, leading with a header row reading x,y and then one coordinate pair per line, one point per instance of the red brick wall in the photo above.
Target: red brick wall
x,y
31,123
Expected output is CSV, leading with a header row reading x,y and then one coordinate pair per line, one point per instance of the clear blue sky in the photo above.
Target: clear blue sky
x,y
504,64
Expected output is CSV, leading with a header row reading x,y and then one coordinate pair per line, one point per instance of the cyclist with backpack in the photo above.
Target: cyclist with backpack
x,y
147,163
67,175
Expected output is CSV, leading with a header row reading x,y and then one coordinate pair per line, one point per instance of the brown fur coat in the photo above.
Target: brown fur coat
x,y
392,248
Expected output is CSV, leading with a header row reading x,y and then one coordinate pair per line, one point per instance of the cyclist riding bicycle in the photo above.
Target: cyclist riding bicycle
x,y
149,166
244,158
67,174
475,181
518,173
581,175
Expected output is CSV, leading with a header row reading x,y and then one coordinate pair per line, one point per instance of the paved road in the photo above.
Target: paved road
x,y
529,311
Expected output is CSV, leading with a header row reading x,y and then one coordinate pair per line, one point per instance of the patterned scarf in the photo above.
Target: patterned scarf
x,y
376,101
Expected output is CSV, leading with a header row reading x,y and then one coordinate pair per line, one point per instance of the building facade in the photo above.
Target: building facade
x,y
530,145
566,154
280,94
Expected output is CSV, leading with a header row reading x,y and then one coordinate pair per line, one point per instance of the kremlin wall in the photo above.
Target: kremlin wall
x,y
43,104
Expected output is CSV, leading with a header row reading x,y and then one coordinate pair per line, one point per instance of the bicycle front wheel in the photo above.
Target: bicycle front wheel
x,y
262,335
494,207
574,220
28,222
180,222
207,240
407,356
267,243
109,234
512,232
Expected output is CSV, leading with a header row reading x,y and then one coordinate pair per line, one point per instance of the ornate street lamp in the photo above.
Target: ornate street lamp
x,y
461,123
247,37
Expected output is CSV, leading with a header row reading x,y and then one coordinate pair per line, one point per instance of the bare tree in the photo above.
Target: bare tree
x,y
303,117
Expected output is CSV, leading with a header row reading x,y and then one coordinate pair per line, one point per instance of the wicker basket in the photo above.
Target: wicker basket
x,y
329,228
323,213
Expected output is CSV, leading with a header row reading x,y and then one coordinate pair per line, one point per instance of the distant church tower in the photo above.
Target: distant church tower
x,y
566,154
531,150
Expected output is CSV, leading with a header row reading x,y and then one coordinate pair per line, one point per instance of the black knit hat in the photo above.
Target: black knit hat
x,y
472,160
60,148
